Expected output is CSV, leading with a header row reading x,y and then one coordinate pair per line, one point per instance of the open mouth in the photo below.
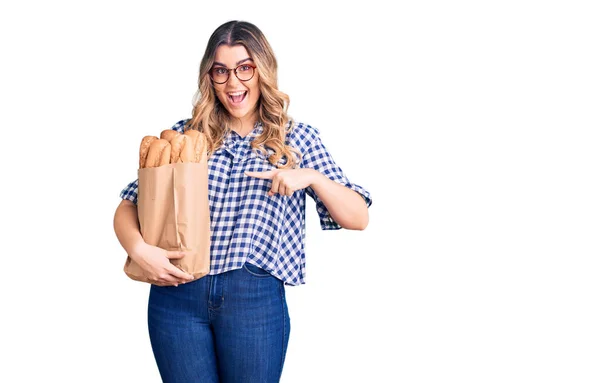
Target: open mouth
x,y
237,97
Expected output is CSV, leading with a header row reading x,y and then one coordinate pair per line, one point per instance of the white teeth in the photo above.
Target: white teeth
x,y
237,93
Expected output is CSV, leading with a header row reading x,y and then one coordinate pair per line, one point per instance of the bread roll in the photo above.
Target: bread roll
x,y
169,134
159,153
145,144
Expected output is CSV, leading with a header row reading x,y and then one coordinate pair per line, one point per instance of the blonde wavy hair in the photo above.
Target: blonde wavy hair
x,y
210,116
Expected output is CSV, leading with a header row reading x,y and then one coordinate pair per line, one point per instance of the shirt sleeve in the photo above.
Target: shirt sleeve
x,y
318,157
130,192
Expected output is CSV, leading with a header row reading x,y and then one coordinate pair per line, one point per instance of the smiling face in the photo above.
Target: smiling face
x,y
240,98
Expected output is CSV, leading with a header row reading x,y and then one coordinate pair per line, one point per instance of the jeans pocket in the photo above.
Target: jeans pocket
x,y
255,270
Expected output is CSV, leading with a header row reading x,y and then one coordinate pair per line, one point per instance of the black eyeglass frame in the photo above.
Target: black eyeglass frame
x,y
235,70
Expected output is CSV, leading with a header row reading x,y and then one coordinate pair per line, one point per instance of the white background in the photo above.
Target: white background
x,y
473,124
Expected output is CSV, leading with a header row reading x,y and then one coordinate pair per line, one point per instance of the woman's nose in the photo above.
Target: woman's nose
x,y
233,80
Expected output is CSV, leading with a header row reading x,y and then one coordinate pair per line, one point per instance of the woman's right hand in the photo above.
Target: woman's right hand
x,y
155,264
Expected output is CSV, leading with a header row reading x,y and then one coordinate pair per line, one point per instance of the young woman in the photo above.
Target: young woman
x,y
233,325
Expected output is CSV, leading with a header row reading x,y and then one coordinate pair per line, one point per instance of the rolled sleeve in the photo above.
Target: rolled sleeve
x,y
130,192
318,157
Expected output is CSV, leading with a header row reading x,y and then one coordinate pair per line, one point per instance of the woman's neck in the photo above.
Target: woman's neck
x,y
245,126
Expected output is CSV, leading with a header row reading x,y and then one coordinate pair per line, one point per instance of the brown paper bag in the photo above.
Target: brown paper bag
x,y
174,215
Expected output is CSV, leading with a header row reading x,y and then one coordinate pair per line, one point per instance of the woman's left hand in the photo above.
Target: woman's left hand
x,y
287,181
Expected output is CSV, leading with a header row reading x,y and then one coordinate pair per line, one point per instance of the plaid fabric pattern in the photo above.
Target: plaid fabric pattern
x,y
249,226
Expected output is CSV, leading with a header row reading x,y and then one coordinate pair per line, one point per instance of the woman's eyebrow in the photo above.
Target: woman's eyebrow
x,y
237,63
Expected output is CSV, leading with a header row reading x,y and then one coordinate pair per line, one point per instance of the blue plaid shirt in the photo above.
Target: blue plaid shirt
x,y
249,226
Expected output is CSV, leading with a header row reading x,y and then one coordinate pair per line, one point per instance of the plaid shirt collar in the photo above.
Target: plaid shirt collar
x,y
232,138
236,145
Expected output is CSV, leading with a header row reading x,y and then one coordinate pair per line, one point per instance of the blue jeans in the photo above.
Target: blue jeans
x,y
231,327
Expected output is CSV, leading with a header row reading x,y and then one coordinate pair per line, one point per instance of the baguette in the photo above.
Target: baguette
x,y
187,150
192,133
145,144
199,141
201,148
169,134
177,145
165,156
159,153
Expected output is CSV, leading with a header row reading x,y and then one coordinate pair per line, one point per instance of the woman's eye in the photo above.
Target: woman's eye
x,y
219,70
244,68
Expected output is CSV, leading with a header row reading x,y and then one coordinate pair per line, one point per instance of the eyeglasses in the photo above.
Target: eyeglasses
x,y
220,74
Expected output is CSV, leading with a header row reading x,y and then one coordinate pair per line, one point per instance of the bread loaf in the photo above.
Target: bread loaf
x,y
159,153
169,134
187,150
201,148
165,156
177,143
146,141
172,147
199,141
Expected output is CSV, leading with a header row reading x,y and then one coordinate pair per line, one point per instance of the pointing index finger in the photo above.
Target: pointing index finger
x,y
264,175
